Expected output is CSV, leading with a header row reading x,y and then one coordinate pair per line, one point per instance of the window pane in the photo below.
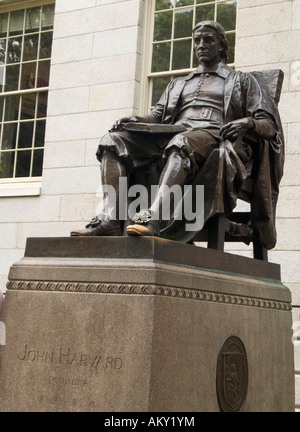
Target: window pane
x,y
1,108
23,163
184,3
16,22
28,75
40,133
181,54
26,38
26,135
3,24
161,57
12,78
33,18
43,73
226,15
30,47
9,136
204,13
46,45
7,160
14,50
28,106
2,69
231,50
42,104
159,86
2,51
12,108
163,4
183,23
163,26
48,16
37,168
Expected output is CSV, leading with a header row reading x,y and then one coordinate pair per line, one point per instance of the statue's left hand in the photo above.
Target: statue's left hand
x,y
237,127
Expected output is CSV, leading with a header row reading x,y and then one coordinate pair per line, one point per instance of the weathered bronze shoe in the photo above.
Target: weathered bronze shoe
x,y
143,225
99,228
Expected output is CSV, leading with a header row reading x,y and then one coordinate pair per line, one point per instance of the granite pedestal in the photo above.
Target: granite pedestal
x,y
137,324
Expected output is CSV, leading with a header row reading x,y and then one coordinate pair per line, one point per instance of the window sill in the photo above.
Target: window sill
x,y
20,189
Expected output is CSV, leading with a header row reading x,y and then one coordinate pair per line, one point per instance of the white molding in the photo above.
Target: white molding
x,y
20,188
11,5
148,28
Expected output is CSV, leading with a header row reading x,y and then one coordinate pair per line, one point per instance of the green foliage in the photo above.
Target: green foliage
x,y
226,15
183,23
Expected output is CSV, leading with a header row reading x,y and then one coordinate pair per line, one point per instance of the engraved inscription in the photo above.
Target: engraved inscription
x,y
68,357
36,356
66,376
75,382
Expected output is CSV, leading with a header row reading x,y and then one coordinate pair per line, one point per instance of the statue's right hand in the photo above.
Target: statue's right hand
x,y
117,125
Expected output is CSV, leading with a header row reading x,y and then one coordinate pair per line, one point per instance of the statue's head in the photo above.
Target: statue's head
x,y
220,34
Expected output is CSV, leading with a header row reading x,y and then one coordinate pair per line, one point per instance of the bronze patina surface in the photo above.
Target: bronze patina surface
x,y
232,375
215,127
141,248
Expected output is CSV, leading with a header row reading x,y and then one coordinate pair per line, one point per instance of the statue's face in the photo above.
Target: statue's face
x,y
207,46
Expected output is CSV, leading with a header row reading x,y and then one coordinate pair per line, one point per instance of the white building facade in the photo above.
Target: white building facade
x,y
70,68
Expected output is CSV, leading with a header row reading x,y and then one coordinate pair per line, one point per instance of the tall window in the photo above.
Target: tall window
x,y
25,51
172,47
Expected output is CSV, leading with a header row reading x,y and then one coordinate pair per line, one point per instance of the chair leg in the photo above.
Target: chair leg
x,y
259,252
216,233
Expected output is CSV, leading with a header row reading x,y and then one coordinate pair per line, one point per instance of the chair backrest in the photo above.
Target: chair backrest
x,y
271,81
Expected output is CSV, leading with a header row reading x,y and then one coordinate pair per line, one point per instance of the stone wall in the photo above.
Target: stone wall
x,y
267,35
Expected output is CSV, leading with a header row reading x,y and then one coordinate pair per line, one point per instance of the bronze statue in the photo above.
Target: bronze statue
x,y
206,115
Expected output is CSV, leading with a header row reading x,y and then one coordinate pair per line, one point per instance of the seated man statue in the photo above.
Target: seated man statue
x,y
210,110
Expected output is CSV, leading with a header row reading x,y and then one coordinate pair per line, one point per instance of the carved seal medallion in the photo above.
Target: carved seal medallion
x,y
232,375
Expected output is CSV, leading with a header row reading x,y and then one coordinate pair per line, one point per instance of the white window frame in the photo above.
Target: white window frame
x,y
22,186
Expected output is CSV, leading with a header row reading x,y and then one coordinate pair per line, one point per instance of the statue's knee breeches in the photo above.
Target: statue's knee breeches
x,y
135,150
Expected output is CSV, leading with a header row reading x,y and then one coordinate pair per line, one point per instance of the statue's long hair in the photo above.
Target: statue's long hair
x,y
221,35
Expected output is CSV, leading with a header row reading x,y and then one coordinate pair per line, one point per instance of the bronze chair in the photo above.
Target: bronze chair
x,y
218,229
